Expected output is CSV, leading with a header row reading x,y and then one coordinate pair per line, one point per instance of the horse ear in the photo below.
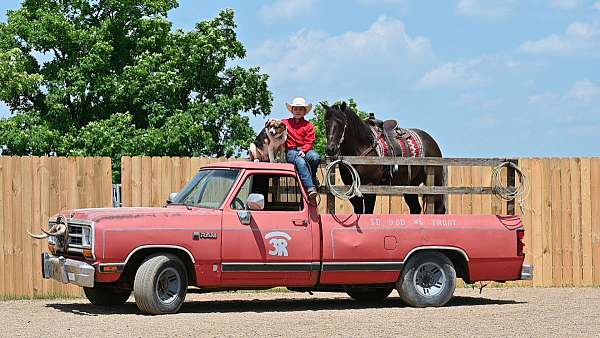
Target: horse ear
x,y
343,106
324,105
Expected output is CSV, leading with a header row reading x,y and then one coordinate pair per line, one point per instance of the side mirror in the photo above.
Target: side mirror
x,y
255,202
171,197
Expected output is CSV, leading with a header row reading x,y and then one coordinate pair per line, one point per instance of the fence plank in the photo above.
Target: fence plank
x,y
575,164
156,178
547,222
17,187
146,181
126,181
476,182
4,229
586,221
556,224
566,216
26,211
136,181
595,200
8,269
536,222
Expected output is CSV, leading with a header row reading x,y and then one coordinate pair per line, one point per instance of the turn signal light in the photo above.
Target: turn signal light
x,y
87,253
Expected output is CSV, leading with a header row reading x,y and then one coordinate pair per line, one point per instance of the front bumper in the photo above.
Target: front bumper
x,y
527,272
67,270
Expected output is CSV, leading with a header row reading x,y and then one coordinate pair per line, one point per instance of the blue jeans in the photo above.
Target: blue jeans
x,y
306,167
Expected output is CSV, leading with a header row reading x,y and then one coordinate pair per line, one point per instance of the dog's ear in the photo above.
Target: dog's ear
x,y
268,121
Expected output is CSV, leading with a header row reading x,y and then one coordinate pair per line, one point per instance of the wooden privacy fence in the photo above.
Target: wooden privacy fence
x,y
562,215
31,190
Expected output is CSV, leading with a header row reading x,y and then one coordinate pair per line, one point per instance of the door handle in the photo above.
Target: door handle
x,y
300,222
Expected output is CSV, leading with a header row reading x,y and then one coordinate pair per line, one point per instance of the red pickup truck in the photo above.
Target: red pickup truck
x,y
248,225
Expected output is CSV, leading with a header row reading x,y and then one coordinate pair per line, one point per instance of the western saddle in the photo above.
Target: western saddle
x,y
391,132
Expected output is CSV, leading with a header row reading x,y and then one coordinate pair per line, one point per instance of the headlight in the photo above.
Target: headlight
x,y
86,238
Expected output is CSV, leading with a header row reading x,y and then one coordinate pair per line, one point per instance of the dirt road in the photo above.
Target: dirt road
x,y
496,312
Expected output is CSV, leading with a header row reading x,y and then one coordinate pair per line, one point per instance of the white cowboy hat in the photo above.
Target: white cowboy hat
x,y
299,102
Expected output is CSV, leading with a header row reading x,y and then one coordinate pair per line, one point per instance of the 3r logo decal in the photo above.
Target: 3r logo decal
x,y
279,241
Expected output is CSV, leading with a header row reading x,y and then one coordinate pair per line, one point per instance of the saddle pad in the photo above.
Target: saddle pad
x,y
410,143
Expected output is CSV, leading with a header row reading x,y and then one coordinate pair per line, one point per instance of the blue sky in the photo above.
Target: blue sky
x,y
484,77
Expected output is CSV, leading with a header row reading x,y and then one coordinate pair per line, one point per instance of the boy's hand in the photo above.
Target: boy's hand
x,y
301,153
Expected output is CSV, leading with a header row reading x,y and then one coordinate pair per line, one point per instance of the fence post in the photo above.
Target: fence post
x,y
510,182
429,200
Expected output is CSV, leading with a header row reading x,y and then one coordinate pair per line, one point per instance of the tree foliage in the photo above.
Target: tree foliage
x,y
319,122
112,78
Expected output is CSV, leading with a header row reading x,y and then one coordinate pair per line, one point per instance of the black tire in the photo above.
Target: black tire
x,y
160,284
102,295
369,294
428,279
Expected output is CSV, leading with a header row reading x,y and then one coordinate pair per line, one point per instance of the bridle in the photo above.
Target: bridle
x,y
365,152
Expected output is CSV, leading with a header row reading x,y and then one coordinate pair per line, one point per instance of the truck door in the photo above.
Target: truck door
x,y
275,248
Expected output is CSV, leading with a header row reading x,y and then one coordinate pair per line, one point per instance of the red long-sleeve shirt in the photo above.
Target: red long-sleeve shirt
x,y
300,134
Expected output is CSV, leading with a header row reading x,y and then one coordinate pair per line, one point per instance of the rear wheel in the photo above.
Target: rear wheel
x,y
160,284
428,279
102,295
369,294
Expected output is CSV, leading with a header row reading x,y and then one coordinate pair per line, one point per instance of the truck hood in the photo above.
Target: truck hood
x,y
128,214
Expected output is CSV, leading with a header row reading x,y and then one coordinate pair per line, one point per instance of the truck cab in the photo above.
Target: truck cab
x,y
249,225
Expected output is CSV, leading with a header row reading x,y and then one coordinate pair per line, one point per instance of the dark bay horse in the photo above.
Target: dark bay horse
x,y
349,135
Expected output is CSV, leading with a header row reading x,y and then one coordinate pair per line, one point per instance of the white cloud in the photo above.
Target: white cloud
x,y
473,72
285,9
385,50
579,104
579,38
585,91
566,4
487,9
461,73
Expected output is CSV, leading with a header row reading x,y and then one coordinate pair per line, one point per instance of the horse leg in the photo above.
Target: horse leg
x,y
413,203
369,203
438,200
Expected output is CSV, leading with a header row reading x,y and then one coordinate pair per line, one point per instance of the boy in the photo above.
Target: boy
x,y
300,143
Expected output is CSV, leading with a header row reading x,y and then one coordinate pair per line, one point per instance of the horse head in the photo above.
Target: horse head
x,y
335,126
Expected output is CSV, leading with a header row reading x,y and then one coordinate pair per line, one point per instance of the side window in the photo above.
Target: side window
x,y
281,192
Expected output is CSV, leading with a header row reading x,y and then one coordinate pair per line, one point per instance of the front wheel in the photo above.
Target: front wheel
x,y
160,284
369,294
428,279
102,295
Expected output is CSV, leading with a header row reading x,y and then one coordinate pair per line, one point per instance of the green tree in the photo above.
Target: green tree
x,y
112,78
319,122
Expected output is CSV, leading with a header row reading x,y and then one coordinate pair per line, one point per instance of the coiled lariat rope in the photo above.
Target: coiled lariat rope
x,y
353,190
507,193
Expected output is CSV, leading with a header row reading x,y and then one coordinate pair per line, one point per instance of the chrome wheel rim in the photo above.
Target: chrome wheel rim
x,y
429,279
168,285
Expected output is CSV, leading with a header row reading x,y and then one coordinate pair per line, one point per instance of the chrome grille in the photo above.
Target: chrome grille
x,y
74,236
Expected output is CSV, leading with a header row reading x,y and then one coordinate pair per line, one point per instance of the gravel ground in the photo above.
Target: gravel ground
x,y
496,312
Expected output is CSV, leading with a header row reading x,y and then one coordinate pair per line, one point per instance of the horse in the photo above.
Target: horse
x,y
349,135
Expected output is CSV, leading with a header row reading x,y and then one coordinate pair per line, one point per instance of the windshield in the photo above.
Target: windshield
x,y
208,189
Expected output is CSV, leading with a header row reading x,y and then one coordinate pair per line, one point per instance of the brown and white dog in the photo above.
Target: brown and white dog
x,y
270,143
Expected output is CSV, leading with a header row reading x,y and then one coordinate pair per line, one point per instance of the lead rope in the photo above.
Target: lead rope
x,y
353,190
508,193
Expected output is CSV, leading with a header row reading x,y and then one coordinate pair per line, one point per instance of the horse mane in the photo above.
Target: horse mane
x,y
359,128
